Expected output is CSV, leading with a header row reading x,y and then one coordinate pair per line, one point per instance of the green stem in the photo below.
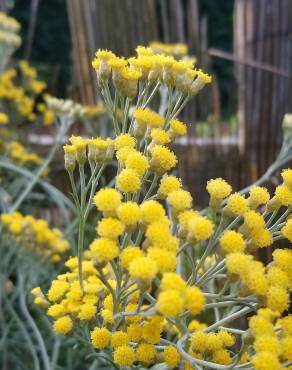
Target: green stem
x,y
43,351
63,128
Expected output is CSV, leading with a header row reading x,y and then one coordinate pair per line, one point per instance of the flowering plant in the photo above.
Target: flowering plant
x,y
163,284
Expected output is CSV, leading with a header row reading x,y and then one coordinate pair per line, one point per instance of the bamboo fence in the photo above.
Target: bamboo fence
x,y
262,33
262,59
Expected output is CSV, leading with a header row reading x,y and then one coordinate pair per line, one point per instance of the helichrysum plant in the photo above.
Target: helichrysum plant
x,y
35,235
162,283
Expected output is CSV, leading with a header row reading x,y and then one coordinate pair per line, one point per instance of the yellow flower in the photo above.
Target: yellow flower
x,y
143,268
104,54
128,181
177,128
222,357
266,361
287,178
56,310
180,200
57,290
165,260
254,221
123,154
232,242
107,200
104,250
258,195
237,204
200,228
124,141
159,136
124,356
129,254
286,347
170,303
195,325
194,300
267,343
117,64
199,341
168,184
100,338
110,228
151,211
256,281
158,232
63,325
147,117
228,339
145,353
238,263
172,281
186,216
283,195
283,257
119,338
277,299
287,230
129,213
260,326
87,311
262,237
134,332
286,323
218,188
171,356
137,162
3,118
162,159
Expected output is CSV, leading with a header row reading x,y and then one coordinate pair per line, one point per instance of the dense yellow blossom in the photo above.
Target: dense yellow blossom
x,y
107,200
143,268
168,184
124,356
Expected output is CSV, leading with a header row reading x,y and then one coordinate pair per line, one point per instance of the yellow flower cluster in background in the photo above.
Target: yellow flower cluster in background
x,y
20,155
35,235
175,49
9,23
92,112
9,38
3,119
21,94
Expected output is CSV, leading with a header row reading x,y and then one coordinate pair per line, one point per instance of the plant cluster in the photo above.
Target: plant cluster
x,y
163,284
36,235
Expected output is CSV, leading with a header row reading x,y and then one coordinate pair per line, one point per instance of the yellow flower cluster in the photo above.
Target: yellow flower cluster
x,y
35,235
22,94
9,28
3,118
272,339
156,263
148,66
176,49
69,304
13,94
212,345
20,155
9,23
94,150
